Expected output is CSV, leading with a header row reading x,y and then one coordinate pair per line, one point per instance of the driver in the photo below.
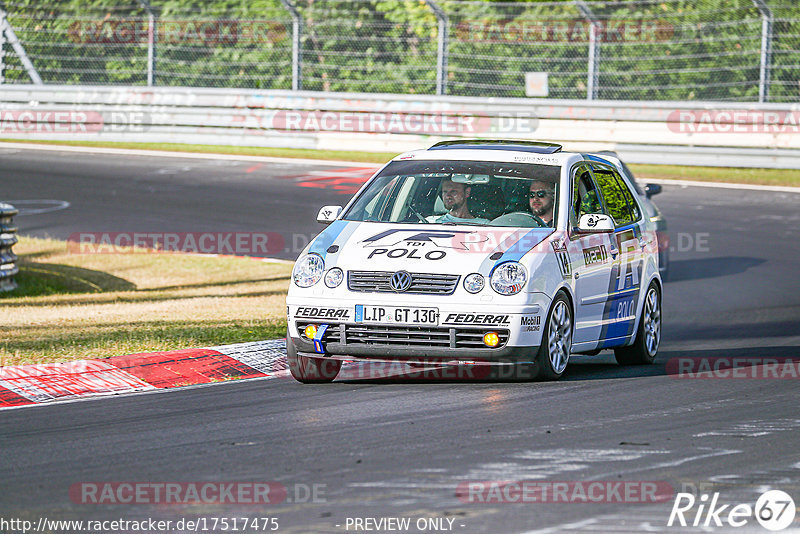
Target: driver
x,y
541,199
454,196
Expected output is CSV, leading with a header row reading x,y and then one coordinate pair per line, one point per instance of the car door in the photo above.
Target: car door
x,y
591,262
627,257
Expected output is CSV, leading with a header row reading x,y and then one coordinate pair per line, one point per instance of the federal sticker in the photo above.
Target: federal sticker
x,y
306,312
476,318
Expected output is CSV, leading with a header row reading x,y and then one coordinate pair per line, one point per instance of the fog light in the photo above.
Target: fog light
x,y
310,331
491,339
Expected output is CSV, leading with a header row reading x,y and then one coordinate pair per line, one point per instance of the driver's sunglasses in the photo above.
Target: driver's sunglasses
x,y
541,193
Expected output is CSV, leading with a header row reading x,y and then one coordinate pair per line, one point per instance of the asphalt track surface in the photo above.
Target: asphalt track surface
x,y
400,447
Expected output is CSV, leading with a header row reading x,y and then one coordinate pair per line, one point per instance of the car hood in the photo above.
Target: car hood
x,y
430,248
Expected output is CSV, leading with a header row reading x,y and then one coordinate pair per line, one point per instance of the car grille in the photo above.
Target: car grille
x,y
422,336
421,283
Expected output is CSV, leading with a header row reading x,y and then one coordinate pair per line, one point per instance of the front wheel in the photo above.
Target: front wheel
x,y
648,335
556,345
310,370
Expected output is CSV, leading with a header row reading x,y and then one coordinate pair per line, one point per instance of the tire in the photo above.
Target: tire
x,y
648,336
556,347
310,370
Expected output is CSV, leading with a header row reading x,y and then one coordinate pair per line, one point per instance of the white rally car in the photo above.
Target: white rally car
x,y
497,253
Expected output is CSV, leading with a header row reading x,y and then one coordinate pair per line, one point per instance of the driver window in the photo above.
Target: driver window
x,y
585,198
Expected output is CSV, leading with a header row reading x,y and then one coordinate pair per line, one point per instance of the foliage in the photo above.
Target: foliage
x,y
668,50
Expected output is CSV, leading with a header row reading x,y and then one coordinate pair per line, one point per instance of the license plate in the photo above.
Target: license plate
x,y
396,315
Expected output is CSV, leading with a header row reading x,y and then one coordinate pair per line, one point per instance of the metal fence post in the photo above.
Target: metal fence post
x,y
5,27
2,55
441,47
8,238
297,29
592,84
152,38
766,50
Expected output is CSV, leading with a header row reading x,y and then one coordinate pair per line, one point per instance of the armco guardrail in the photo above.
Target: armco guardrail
x,y
8,238
686,133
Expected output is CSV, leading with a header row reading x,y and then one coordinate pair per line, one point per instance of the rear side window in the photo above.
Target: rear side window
x,y
615,196
629,197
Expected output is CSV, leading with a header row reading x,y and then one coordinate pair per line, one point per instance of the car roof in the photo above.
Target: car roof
x,y
503,150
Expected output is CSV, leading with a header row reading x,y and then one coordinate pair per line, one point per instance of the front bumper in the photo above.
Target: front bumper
x,y
382,352
458,335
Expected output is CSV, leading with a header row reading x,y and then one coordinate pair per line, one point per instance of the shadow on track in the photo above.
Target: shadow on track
x,y
698,269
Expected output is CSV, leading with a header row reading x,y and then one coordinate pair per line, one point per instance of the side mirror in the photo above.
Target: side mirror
x,y
595,223
328,214
652,189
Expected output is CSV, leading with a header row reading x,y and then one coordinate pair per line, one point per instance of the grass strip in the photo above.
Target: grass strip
x,y
72,306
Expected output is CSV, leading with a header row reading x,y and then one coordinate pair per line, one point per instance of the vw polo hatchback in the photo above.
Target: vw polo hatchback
x,y
506,254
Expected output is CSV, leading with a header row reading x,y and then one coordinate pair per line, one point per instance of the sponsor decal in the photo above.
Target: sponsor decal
x,y
476,318
562,257
454,239
544,160
408,253
305,312
623,288
630,269
530,323
596,254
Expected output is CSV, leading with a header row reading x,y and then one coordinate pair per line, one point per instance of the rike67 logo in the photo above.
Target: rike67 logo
x,y
774,510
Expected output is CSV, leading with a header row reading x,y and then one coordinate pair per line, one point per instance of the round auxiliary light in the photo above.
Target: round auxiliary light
x,y
491,339
310,331
474,282
334,277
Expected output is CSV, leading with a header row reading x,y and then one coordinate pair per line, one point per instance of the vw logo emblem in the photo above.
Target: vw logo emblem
x,y
401,281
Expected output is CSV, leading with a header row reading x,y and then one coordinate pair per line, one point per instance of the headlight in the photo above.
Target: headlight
x,y
509,278
474,282
308,270
334,277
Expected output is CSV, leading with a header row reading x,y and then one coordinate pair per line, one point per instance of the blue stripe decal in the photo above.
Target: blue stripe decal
x,y
519,248
597,159
327,237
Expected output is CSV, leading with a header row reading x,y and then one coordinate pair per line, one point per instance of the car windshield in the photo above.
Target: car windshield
x,y
461,192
